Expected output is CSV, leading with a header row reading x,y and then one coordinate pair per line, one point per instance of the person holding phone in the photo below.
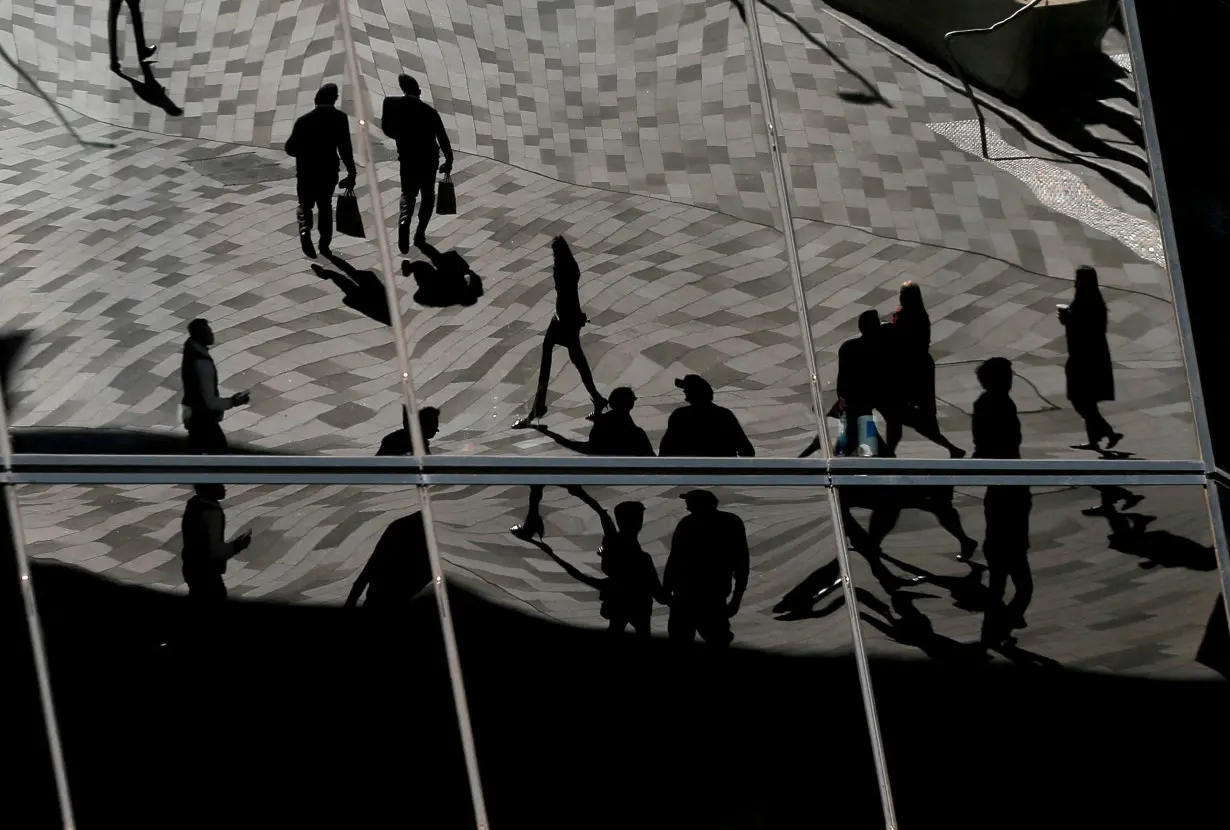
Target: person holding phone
x,y
202,407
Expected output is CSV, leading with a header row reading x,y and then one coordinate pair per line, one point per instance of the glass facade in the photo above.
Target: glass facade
x,y
742,415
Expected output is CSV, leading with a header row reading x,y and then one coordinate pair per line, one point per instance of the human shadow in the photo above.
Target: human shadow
x,y
447,280
362,291
150,91
870,94
1155,548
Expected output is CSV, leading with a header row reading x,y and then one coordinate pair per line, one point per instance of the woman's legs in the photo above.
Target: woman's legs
x,y
577,356
549,341
533,524
927,425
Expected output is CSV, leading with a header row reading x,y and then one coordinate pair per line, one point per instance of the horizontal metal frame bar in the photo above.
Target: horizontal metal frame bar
x,y
409,471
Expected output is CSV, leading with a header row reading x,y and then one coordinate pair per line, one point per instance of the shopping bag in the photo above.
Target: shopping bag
x,y
843,439
868,437
446,198
349,221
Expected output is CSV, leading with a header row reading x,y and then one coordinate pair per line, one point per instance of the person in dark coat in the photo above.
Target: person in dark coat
x,y
202,406
909,396
997,434
397,571
320,144
1088,370
206,551
700,428
145,52
421,139
613,433
707,571
631,585
398,442
563,330
861,368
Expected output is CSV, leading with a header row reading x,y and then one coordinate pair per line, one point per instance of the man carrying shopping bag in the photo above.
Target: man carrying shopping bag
x,y
318,142
421,139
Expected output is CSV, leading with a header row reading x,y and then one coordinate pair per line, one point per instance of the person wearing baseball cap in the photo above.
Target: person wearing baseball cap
x,y
701,428
706,573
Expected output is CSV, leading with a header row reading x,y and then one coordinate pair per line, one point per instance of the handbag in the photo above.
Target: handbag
x,y
349,221
446,197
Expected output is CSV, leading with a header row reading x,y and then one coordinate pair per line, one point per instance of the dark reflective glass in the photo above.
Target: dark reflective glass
x,y
287,635
1041,648
618,659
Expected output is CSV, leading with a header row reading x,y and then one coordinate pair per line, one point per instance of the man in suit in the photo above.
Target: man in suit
x,y
202,405
320,144
421,139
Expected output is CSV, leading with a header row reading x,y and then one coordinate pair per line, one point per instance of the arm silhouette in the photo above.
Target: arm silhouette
x,y
207,382
572,571
446,149
345,149
608,524
360,584
388,117
583,447
292,143
742,564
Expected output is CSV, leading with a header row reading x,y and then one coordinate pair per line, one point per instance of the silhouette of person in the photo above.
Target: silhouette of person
x,y
398,569
1088,371
612,433
145,52
631,584
446,280
860,370
419,132
997,434
206,551
398,441
909,396
701,428
564,330
202,406
707,571
318,142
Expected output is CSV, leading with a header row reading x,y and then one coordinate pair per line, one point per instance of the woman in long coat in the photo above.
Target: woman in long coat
x,y
1090,377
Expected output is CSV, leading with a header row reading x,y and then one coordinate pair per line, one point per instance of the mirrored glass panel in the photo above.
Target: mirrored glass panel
x,y
677,656
1055,642
580,202
283,634
891,183
200,175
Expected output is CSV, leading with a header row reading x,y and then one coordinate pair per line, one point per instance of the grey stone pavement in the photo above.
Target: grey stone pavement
x,y
636,132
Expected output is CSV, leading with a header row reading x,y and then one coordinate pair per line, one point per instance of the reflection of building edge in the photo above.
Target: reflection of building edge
x,y
1176,149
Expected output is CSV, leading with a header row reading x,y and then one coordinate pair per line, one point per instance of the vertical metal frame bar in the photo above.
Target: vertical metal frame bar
x,y
1175,271
439,585
809,351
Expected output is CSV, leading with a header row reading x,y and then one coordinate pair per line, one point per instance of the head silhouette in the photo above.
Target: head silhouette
x,y
1087,290
995,375
911,296
200,331
327,95
429,422
630,516
213,492
869,322
409,85
695,389
622,399
700,501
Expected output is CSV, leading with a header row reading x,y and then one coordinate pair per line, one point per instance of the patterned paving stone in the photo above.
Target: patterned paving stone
x,y
1095,607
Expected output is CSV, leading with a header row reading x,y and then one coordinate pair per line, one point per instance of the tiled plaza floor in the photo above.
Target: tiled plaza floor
x,y
638,134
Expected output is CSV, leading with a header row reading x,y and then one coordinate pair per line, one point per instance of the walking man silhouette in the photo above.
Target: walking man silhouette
x,y
320,144
860,369
421,139
206,550
706,574
145,52
202,406
701,428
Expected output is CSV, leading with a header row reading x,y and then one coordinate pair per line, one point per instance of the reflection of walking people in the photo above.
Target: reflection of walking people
x,y
910,395
1088,371
997,434
421,139
563,330
202,405
706,574
701,428
145,52
320,144
206,550
861,364
631,583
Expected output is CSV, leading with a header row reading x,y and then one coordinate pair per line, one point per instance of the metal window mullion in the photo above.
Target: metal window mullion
x,y
809,351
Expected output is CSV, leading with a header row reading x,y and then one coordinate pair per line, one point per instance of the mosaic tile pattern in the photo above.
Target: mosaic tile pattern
x,y
1095,608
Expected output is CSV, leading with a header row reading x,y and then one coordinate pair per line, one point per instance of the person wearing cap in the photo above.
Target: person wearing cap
x,y
419,132
613,433
320,144
701,428
707,571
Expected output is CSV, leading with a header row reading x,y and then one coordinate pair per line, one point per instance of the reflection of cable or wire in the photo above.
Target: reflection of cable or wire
x,y
54,106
